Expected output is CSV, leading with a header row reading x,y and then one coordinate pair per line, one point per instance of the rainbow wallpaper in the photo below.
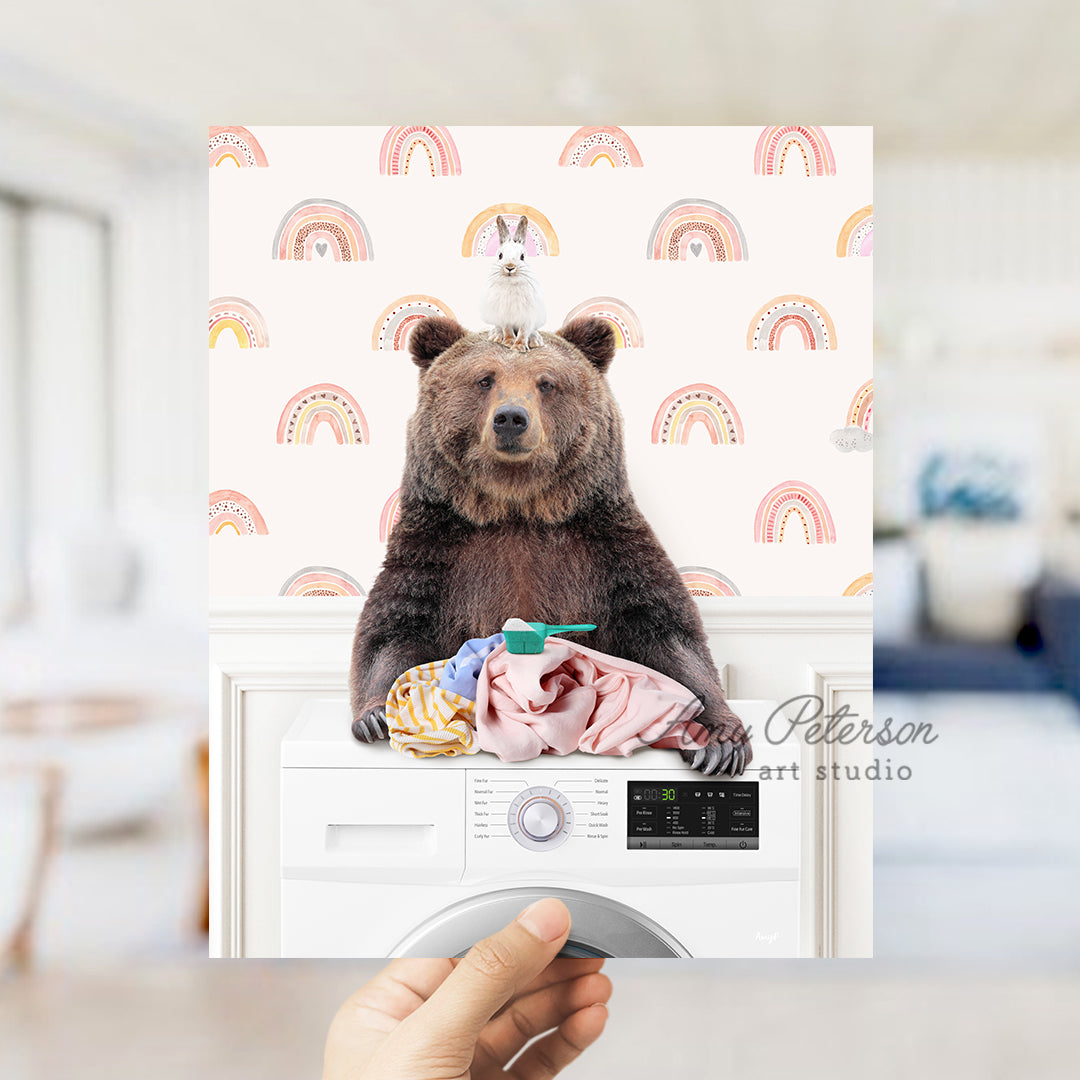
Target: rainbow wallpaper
x,y
398,318
689,227
697,404
811,323
808,147
433,146
592,146
241,319
627,326
314,227
235,147
482,236
327,404
746,390
856,239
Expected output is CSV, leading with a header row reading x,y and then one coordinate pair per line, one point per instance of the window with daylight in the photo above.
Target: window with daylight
x,y
56,472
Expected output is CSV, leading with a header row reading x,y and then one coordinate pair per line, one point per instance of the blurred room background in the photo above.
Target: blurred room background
x,y
103,116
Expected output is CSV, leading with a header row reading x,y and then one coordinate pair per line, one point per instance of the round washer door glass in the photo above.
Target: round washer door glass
x,y
599,926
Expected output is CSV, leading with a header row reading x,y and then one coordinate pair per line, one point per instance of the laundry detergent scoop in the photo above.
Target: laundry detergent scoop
x,y
528,637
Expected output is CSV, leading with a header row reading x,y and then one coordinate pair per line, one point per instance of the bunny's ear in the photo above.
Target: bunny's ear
x,y
594,338
519,232
431,337
504,229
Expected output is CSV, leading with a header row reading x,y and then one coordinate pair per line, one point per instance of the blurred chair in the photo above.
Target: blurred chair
x,y
203,766
29,799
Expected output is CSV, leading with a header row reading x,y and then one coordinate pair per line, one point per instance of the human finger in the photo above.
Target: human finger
x,y
547,1057
561,969
526,1017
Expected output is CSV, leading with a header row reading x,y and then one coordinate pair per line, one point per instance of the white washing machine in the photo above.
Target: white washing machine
x,y
384,855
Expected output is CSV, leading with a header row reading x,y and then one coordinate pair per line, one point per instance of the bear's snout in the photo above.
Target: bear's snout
x,y
509,423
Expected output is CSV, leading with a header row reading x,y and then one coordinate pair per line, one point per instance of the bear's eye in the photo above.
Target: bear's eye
x,y
500,254
485,383
546,386
523,256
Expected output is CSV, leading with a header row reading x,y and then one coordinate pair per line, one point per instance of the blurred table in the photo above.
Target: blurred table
x,y
31,717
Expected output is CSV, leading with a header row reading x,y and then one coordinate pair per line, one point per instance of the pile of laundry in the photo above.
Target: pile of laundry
x,y
520,705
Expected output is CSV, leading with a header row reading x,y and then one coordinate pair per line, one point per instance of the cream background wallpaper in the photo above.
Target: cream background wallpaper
x,y
322,502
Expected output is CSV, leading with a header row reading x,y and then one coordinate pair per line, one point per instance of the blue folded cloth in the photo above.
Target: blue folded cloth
x,y
463,670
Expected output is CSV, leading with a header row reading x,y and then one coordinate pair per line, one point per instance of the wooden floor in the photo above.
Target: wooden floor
x,y
266,1021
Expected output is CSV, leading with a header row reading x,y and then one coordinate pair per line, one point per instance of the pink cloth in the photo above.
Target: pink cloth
x,y
571,698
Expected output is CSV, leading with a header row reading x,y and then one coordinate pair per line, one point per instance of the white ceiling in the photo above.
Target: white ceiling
x,y
933,76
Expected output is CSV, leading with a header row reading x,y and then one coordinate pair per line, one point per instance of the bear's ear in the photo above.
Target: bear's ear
x,y
431,337
593,337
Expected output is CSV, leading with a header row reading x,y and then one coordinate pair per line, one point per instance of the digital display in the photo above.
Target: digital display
x,y
698,814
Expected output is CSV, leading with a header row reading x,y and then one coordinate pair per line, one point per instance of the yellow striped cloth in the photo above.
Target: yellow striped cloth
x,y
424,720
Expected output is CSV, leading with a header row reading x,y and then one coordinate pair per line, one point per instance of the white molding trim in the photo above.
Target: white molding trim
x,y
228,686
285,615
826,681
721,615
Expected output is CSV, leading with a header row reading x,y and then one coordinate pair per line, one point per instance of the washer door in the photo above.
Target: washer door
x,y
599,926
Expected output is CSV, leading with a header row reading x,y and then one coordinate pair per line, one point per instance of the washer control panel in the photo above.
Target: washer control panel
x,y
610,821
540,818
692,815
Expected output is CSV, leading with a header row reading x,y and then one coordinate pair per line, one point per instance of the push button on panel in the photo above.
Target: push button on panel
x,y
540,819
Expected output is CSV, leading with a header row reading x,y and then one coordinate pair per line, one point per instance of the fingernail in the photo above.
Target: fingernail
x,y
545,919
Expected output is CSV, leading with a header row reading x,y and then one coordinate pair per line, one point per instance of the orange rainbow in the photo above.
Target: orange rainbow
x,y
482,236
809,319
856,239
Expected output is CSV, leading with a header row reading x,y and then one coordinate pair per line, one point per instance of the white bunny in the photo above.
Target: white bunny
x,y
513,301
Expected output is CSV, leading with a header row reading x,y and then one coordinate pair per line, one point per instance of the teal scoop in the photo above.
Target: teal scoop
x,y
528,637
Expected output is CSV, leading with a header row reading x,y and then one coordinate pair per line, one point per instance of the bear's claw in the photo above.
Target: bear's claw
x,y
715,759
372,727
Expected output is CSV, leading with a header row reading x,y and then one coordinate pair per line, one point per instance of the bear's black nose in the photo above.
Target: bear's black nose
x,y
510,421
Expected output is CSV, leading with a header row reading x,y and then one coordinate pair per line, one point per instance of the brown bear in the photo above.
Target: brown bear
x,y
515,502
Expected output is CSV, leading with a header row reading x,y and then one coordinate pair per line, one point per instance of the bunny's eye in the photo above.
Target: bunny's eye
x,y
522,256
500,254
